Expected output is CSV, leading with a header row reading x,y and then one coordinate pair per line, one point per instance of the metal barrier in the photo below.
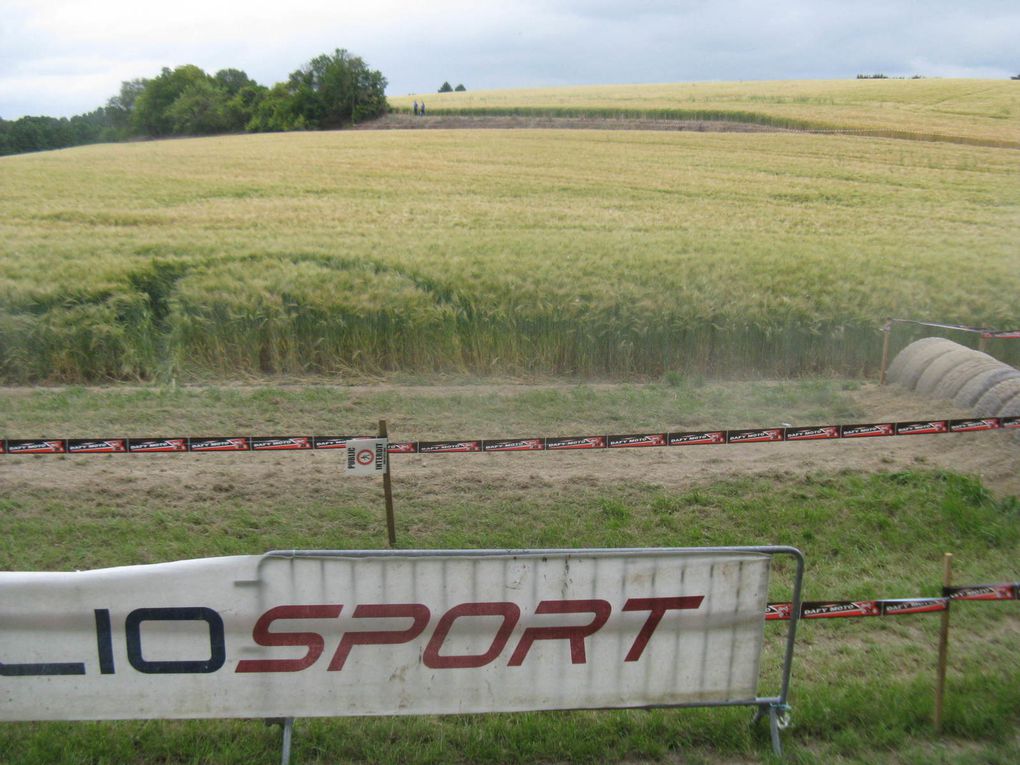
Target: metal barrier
x,y
712,594
408,633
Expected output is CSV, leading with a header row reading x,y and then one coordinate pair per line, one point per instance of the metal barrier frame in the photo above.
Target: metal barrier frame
x,y
776,707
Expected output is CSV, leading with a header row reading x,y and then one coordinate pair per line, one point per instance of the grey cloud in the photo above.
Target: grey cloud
x,y
533,43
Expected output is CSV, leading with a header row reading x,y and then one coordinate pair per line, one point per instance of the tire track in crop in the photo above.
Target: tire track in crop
x,y
440,121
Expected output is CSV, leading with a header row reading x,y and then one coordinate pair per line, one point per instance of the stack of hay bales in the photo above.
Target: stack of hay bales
x,y
973,380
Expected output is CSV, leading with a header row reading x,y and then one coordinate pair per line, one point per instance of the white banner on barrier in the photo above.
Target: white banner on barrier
x,y
364,634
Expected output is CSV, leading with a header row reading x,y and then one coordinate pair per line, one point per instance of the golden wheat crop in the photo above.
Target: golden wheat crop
x,y
553,251
967,110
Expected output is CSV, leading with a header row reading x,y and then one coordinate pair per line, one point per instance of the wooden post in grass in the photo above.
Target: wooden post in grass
x,y
391,523
940,681
886,331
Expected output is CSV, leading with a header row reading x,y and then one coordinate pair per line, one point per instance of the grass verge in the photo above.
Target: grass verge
x,y
862,689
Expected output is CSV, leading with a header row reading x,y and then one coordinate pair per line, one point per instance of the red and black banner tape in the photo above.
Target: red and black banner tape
x,y
837,609
179,444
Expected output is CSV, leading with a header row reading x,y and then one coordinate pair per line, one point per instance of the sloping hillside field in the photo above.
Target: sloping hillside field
x,y
579,252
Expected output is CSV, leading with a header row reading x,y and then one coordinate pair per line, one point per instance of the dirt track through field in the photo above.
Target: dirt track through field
x,y
993,456
461,122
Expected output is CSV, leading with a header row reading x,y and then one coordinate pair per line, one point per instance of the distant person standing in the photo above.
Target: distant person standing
x,y
422,109
416,108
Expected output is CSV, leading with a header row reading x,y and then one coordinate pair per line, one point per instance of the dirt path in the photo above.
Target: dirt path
x,y
455,122
994,456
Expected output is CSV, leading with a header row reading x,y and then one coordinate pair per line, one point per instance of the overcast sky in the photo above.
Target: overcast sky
x,y
65,57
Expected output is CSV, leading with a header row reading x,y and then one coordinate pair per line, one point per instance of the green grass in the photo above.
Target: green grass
x,y
424,412
862,689
585,253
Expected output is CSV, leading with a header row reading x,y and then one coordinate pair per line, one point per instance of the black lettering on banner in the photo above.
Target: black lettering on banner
x,y
45,668
217,646
104,641
380,456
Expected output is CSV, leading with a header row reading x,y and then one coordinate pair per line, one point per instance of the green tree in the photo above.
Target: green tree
x,y
242,107
200,109
333,90
274,112
232,81
446,87
460,88
121,107
151,114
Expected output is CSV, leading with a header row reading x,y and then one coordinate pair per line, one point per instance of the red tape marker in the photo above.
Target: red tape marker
x,y
842,609
531,444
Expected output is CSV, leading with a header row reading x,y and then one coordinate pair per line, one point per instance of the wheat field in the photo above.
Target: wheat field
x,y
500,252
977,111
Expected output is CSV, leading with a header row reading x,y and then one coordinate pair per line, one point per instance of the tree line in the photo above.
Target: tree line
x,y
329,92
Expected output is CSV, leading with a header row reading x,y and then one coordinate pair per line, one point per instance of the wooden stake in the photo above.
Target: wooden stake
x,y
391,523
940,682
886,330
983,344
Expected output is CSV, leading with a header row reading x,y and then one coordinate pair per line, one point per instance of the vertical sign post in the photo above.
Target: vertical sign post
x,y
940,681
886,331
391,524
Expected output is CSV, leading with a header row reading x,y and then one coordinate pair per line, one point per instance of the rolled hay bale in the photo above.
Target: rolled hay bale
x,y
1011,409
915,358
959,376
998,397
979,384
946,363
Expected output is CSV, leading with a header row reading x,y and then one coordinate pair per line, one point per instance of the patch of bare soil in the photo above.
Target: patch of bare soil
x,y
994,456
460,122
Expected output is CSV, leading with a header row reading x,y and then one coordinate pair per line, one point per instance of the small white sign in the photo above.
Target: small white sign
x,y
366,456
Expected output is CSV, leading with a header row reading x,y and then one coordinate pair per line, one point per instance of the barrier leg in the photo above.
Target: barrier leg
x,y
288,732
774,726
779,719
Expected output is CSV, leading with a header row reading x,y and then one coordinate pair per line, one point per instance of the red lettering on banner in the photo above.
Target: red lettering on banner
x,y
575,635
657,608
511,614
312,640
416,611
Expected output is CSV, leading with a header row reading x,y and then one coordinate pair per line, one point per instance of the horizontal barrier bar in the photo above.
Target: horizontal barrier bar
x,y
983,331
181,444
